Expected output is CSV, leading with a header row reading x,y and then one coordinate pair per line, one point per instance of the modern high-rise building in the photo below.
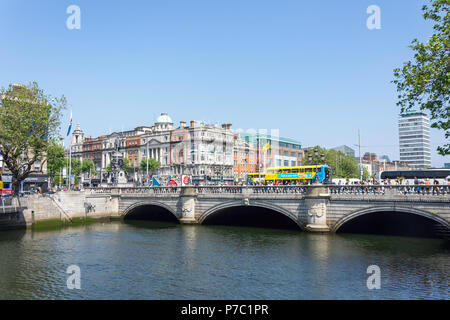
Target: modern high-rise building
x,y
414,136
345,149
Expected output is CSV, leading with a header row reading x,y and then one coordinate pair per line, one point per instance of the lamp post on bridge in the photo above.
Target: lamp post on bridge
x,y
316,161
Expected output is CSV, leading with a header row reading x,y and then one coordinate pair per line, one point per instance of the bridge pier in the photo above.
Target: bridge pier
x,y
316,202
187,201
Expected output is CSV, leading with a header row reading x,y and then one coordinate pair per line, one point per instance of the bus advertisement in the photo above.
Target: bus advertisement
x,y
6,183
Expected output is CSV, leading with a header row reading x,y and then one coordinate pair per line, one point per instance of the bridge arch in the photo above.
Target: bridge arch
x,y
128,212
386,209
253,204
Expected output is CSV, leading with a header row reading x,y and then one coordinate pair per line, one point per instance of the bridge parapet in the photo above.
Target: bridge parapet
x,y
424,190
317,208
414,192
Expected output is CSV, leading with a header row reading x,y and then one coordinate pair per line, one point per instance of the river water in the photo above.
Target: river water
x,y
154,260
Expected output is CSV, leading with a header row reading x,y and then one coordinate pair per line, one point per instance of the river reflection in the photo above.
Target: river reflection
x,y
159,260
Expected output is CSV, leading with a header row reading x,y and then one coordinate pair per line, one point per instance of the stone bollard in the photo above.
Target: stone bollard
x,y
187,199
316,202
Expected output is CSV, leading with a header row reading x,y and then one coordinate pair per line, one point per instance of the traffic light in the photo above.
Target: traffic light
x,y
327,174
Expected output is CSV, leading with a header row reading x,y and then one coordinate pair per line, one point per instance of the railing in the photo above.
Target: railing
x,y
252,189
60,208
425,190
151,190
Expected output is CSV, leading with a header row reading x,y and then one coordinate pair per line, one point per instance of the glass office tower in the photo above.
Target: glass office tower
x,y
414,136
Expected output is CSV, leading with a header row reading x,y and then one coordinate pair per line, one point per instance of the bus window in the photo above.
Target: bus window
x,y
327,174
308,169
286,170
302,170
294,170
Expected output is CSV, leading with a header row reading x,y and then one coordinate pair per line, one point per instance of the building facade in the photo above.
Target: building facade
x,y
199,150
207,153
273,151
346,150
414,139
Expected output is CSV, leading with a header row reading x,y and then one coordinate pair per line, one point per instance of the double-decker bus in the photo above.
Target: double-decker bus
x,y
255,178
300,174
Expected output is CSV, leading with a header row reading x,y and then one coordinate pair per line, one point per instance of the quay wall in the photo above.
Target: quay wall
x,y
56,209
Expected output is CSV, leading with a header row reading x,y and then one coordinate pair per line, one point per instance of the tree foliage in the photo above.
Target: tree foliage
x,y
153,165
78,167
88,166
29,120
425,81
343,165
56,159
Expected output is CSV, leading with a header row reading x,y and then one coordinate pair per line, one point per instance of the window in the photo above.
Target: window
x,y
293,154
37,165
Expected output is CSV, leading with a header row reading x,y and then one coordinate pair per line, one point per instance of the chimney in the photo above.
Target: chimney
x,y
182,124
192,123
227,126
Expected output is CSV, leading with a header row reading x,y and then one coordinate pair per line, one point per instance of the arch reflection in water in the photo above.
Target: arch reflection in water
x,y
251,216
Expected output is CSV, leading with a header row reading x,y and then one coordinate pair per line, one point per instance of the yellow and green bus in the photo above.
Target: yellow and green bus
x,y
286,175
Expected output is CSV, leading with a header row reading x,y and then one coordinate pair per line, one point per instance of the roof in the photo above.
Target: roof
x,y
163,118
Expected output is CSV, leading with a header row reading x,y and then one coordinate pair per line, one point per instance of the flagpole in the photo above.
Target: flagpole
x,y
70,164
70,150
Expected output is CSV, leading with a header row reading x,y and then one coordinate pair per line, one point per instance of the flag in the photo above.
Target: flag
x,y
70,123
266,147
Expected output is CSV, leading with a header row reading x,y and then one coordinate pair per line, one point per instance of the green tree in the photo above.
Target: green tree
x,y
366,175
88,166
153,165
425,81
343,165
75,169
126,165
29,120
56,160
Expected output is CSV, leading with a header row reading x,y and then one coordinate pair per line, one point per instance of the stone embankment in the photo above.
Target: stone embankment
x,y
57,209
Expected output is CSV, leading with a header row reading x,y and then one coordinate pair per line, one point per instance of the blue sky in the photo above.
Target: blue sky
x,y
311,69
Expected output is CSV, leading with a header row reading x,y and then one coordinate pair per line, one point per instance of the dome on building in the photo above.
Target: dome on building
x,y
163,118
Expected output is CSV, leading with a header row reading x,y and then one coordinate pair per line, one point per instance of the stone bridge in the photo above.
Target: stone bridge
x,y
313,208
